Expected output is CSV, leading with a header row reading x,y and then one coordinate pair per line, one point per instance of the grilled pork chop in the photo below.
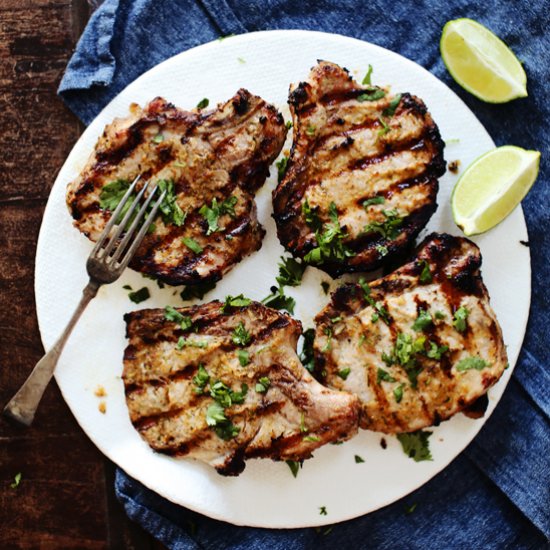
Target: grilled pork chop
x,y
211,163
222,384
416,346
362,174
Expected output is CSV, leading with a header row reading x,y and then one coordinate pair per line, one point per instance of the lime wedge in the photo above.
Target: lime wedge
x,y
482,63
492,186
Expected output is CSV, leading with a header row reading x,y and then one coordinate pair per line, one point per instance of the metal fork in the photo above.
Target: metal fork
x,y
106,262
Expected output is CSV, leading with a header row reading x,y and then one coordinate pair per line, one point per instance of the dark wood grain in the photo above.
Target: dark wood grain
x,y
65,498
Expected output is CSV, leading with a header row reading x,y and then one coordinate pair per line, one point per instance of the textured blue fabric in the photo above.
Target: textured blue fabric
x,y
497,493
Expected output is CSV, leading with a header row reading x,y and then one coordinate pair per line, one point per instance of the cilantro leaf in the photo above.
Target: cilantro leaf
x,y
16,480
382,375
344,373
330,242
398,393
171,211
423,321
282,166
263,384
306,355
389,228
201,379
172,314
425,274
192,244
140,295
374,200
459,319
294,466
235,301
358,459
371,94
111,194
390,109
278,300
244,357
212,213
416,445
241,336
205,101
435,351
197,291
469,363
367,79
290,271
380,311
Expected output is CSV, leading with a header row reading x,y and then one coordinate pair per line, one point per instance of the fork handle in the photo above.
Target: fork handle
x,y
22,407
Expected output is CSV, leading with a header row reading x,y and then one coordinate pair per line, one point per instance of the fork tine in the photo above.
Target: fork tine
x,y
130,233
145,226
121,227
114,216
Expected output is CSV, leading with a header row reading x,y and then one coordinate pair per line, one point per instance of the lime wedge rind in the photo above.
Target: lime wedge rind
x,y
496,196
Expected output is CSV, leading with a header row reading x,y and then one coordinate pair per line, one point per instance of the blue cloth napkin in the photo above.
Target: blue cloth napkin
x,y
497,493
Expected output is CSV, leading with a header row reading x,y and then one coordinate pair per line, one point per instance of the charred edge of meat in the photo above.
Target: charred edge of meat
x,y
478,408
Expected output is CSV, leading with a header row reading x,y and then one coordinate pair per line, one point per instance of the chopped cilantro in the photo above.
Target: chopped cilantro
x,y
362,339
423,321
16,480
192,244
186,343
404,353
389,228
416,445
311,438
290,271
380,310
235,301
288,125
325,286
201,379
294,466
382,375
140,295
212,213
335,320
373,200
172,314
323,510
171,211
469,363
263,384
385,128
278,300
382,250
225,396
303,427
306,355
244,357
344,373
359,460
328,345
203,102
439,315
281,168
459,318
330,241
367,79
398,393
310,130
241,336
411,508
197,291
390,109
371,94
435,351
311,216
112,193
159,138
425,274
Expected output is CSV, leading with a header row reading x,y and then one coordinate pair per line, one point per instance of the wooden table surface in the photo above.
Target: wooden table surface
x,y
65,498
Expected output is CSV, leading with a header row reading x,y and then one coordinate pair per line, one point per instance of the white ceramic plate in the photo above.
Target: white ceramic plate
x,y
266,494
